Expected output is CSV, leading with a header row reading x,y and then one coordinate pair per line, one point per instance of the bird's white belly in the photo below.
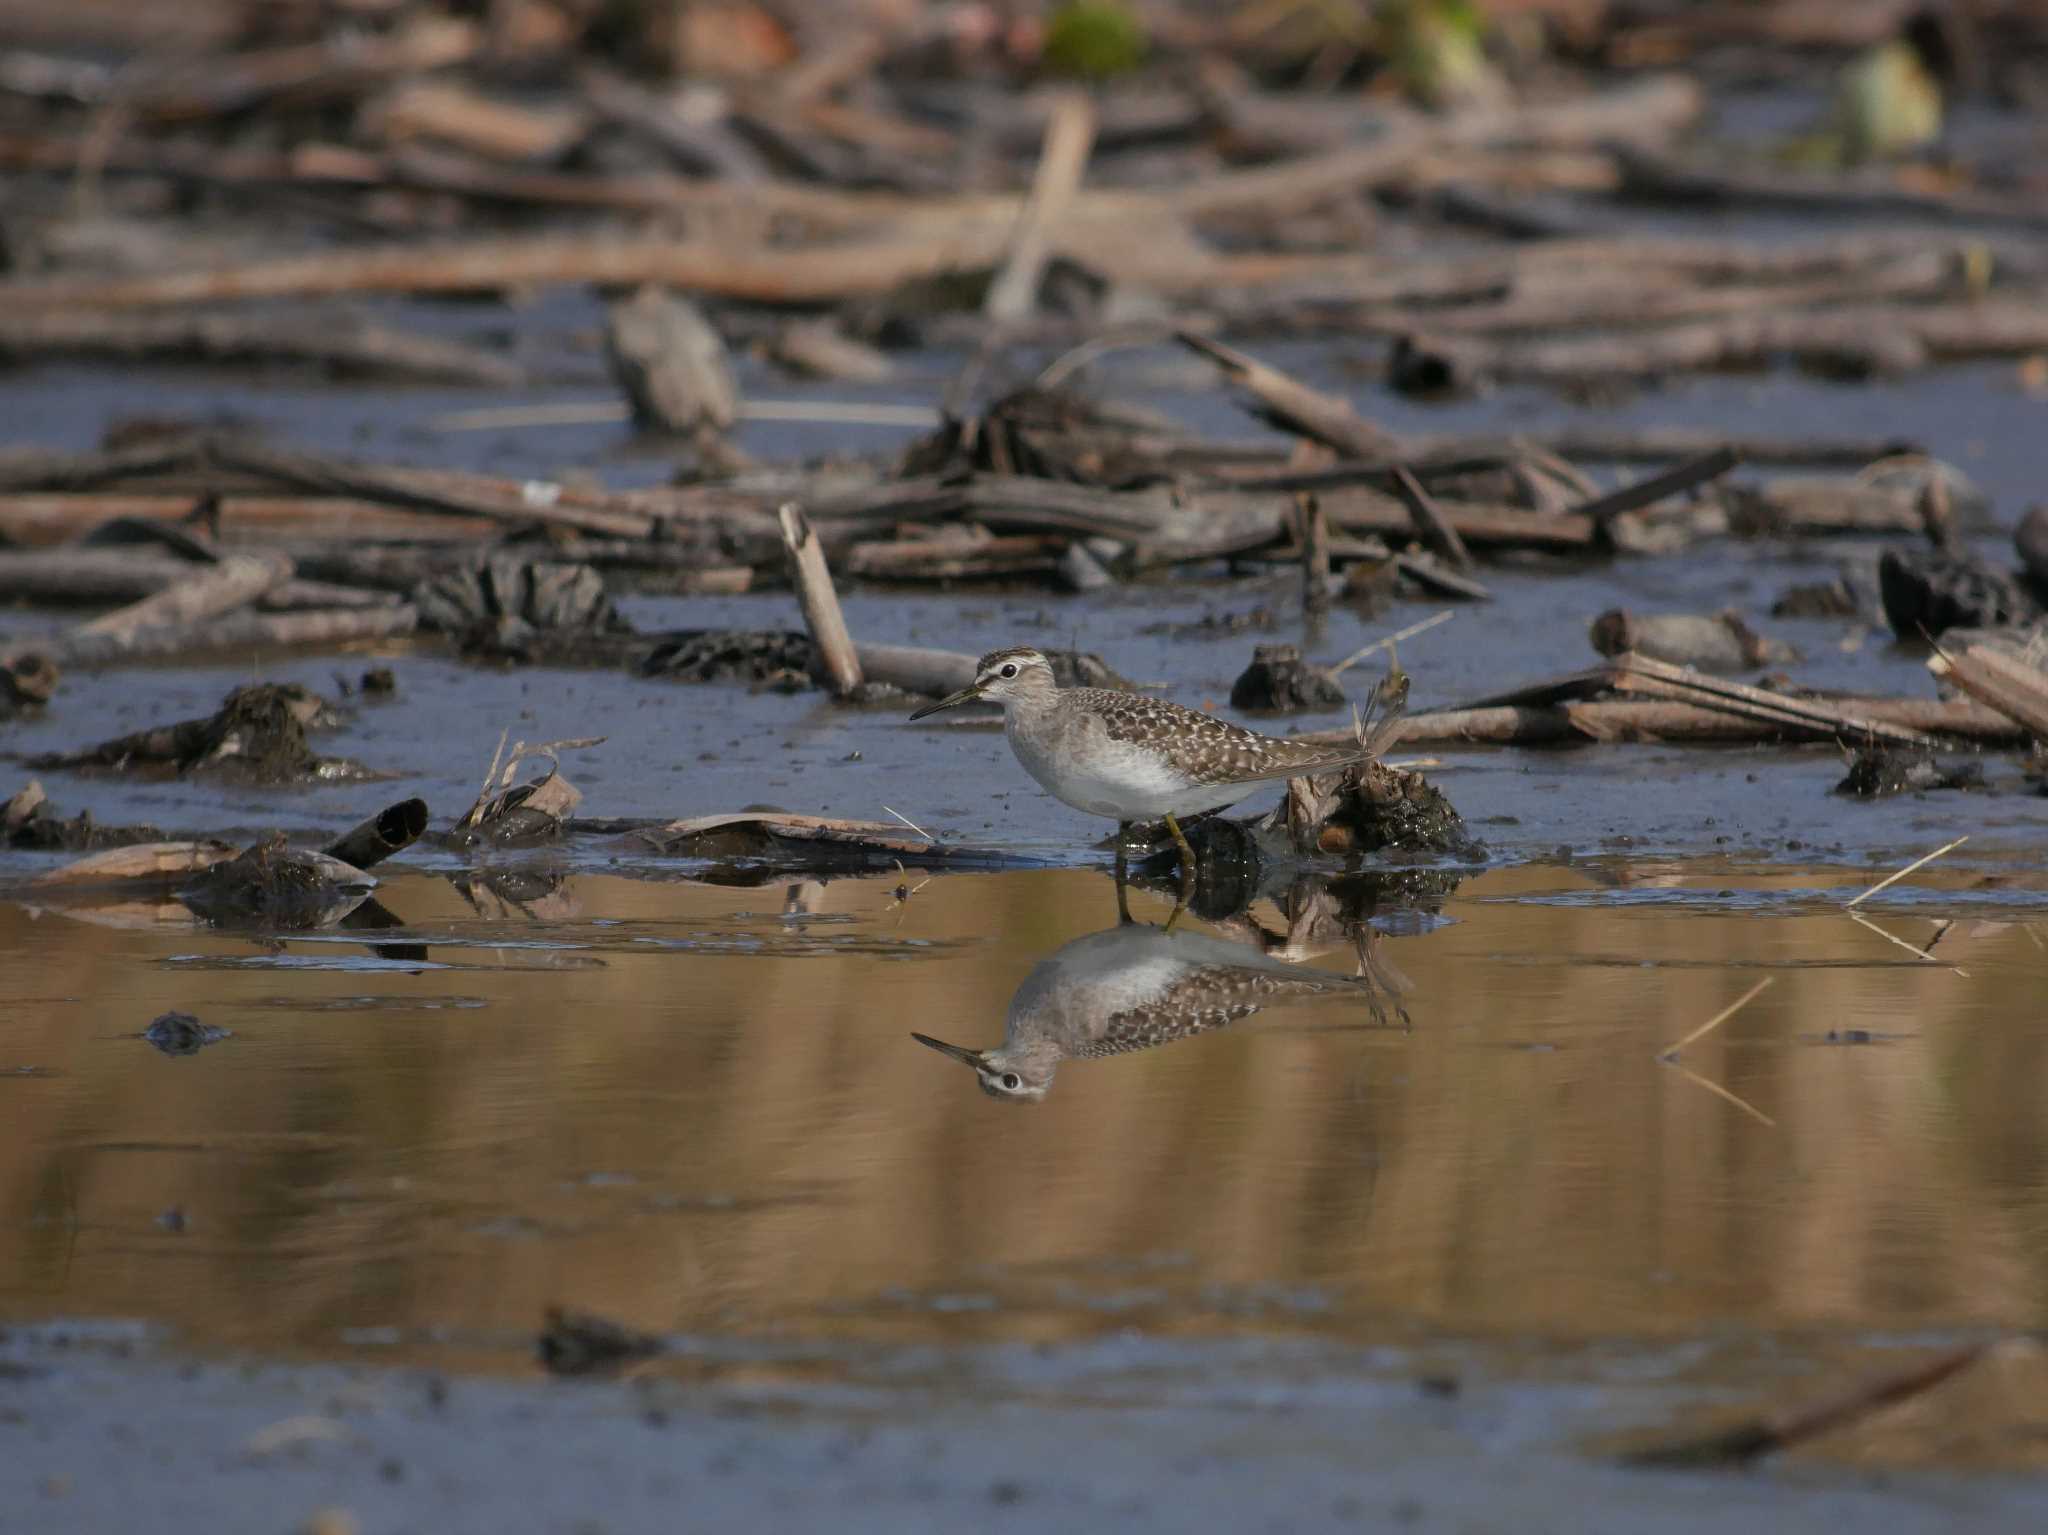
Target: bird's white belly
x,y
1114,779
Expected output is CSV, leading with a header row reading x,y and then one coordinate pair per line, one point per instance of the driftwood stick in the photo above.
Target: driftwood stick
x,y
1998,679
1783,1428
1437,532
234,582
1640,674
1315,558
433,490
1296,407
915,669
837,658
1649,719
250,630
1654,488
88,575
1069,135
345,345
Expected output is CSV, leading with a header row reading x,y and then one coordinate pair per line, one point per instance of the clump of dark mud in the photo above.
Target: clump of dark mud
x,y
524,611
1926,593
26,683
273,884
758,657
1053,434
1279,681
1371,808
258,736
786,659
582,1343
28,824
1877,771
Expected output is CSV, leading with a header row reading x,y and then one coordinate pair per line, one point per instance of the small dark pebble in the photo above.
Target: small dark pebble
x,y
1443,1386
1005,1492
172,1219
582,1343
182,1034
379,681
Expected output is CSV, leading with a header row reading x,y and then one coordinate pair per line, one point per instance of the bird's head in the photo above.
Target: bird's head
x,y
1001,676
1011,1076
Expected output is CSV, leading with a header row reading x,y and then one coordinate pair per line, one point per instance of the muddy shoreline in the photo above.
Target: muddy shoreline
x,y
1152,1435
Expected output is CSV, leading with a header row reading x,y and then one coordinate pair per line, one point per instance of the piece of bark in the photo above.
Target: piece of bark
x,y
1640,674
671,363
837,660
148,860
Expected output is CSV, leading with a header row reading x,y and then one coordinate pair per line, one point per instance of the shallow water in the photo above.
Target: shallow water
x,y
700,1109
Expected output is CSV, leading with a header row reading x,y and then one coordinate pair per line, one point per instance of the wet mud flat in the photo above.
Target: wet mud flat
x,y
1301,1257
1088,1435
505,1022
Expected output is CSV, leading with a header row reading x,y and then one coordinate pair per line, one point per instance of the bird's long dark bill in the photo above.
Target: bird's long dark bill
x,y
966,695
958,1052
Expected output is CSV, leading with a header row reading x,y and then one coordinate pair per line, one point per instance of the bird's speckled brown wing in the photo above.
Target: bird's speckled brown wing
x,y
1212,751
1206,998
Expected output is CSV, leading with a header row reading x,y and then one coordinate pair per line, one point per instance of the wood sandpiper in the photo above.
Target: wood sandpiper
x,y
1130,757
1130,988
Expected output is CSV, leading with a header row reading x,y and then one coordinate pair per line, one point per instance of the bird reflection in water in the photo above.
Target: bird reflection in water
x,y
1134,986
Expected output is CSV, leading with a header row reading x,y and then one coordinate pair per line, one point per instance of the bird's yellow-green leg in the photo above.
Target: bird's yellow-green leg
x,y
1187,871
1123,900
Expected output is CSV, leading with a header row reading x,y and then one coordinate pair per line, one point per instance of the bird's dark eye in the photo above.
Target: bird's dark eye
x,y
1011,1081
1009,668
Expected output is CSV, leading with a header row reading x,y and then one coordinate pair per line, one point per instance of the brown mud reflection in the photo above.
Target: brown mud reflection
x,y
700,1109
